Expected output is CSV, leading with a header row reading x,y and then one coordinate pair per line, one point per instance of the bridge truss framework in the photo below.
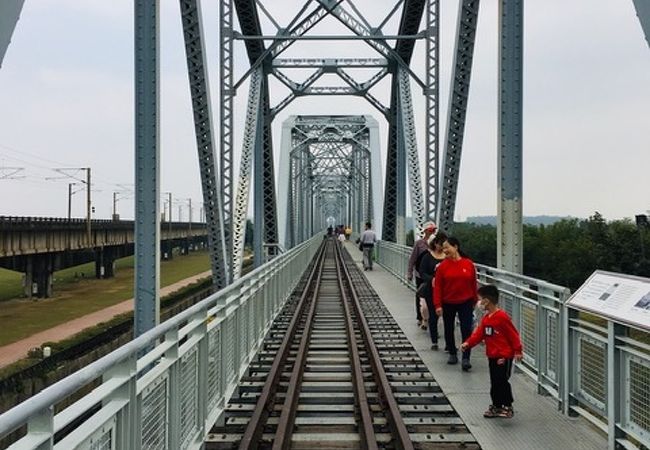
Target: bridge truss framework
x,y
329,169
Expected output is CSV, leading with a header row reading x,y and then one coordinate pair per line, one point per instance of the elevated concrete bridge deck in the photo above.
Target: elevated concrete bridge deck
x,y
39,246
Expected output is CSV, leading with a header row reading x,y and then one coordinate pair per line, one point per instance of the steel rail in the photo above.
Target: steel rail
x,y
284,431
367,430
266,400
393,415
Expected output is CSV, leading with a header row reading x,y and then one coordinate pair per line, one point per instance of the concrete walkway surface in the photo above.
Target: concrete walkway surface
x,y
15,351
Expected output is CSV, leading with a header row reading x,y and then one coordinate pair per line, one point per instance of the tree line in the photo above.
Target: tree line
x,y
568,251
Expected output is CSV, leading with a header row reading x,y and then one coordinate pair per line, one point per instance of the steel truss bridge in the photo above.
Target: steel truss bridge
x,y
329,168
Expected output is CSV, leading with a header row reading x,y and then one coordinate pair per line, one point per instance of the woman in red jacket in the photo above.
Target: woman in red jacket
x,y
454,293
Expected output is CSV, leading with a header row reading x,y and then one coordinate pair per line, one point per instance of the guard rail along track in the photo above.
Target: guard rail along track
x,y
335,371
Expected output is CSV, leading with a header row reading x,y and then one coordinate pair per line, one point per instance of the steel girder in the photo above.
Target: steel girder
x,y
147,169
251,127
210,177
264,56
642,11
391,196
226,121
409,24
432,108
9,14
509,226
395,187
458,100
408,138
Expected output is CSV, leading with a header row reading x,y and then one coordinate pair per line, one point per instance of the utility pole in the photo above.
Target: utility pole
x,y
66,174
189,200
70,186
88,205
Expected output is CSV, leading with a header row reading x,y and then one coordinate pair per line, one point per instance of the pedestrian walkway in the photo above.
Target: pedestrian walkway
x,y
18,350
537,423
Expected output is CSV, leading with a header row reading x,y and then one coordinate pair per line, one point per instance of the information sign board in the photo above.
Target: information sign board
x,y
622,298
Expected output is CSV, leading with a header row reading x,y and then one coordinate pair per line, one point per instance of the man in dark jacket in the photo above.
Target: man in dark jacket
x,y
421,246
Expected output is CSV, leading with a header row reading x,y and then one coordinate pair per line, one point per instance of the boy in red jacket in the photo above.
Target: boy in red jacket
x,y
502,345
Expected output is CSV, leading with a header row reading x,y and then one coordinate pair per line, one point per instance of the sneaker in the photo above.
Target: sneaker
x,y
506,412
466,365
453,359
491,412
434,346
423,325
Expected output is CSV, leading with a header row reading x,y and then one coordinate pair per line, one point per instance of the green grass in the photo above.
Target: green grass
x,y
76,296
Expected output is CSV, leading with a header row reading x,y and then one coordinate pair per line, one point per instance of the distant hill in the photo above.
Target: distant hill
x,y
528,220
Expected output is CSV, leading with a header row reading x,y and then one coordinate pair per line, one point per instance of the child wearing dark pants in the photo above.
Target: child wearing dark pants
x,y
502,346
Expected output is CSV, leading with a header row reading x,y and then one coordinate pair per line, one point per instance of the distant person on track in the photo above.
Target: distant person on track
x,y
502,345
348,232
454,293
420,247
341,238
426,265
367,241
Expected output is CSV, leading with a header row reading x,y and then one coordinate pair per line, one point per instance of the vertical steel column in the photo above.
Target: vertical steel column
x,y
210,177
227,95
510,229
147,169
432,107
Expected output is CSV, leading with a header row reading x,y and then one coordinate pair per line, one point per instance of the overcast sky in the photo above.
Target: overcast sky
x,y
66,100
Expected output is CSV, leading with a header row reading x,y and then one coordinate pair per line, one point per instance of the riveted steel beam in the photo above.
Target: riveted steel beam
x,y
251,127
432,108
9,14
509,225
458,100
210,175
408,140
147,168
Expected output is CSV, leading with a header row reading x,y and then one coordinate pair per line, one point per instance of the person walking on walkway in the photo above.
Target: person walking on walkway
x,y
502,345
454,293
420,247
368,240
426,265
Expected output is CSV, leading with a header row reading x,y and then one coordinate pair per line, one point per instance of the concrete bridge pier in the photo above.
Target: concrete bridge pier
x,y
167,250
105,262
39,276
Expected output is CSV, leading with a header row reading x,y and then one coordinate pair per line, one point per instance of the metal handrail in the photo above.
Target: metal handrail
x,y
160,352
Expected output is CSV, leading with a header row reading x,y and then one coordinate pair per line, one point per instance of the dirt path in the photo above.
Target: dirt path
x,y
17,350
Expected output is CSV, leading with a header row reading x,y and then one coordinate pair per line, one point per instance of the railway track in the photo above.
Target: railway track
x,y
336,371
